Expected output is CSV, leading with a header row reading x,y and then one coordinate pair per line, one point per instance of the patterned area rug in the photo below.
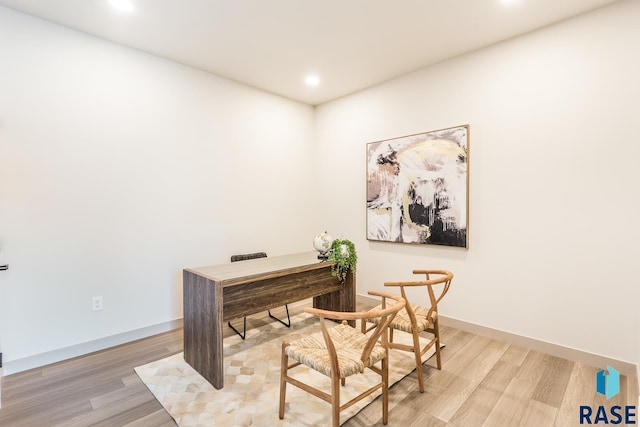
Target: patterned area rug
x,y
251,384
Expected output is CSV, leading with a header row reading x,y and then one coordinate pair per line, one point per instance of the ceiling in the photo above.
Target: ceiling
x,y
274,44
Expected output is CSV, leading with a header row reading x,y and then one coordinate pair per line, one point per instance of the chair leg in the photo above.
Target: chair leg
x,y
284,362
385,390
416,353
288,324
436,333
244,330
335,399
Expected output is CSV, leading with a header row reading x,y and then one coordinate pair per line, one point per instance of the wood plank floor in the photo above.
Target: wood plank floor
x,y
483,382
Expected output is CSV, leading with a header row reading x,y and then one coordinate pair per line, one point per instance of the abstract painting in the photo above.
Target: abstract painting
x,y
417,188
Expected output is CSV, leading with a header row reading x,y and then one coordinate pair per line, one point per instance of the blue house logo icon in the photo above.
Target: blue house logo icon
x,y
608,382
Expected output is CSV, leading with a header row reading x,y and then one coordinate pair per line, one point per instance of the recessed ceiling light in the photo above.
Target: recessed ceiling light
x,y
124,5
312,80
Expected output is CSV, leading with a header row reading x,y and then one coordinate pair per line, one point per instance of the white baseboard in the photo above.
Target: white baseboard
x,y
591,359
1,375
38,360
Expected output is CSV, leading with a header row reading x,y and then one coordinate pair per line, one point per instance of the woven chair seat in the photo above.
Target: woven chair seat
x,y
349,343
339,351
402,321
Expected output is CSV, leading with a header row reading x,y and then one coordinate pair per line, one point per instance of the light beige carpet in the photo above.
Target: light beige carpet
x,y
251,384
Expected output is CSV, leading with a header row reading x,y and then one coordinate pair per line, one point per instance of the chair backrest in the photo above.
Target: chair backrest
x,y
433,278
244,257
385,313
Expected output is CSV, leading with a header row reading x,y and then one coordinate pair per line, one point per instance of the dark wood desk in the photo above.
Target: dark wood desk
x,y
213,295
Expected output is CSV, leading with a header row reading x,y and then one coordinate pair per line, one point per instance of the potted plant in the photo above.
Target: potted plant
x,y
344,258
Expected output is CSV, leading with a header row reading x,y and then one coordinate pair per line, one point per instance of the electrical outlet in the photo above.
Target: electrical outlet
x,y
97,304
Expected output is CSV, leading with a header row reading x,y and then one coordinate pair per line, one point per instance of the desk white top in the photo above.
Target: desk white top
x,y
243,271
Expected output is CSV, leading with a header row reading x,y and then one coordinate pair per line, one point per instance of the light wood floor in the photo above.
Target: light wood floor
x,y
483,382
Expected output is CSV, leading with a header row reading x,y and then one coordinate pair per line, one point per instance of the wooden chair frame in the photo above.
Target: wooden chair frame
x,y
433,278
385,313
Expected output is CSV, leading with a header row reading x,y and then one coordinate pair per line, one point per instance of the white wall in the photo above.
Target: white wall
x,y
554,177
119,169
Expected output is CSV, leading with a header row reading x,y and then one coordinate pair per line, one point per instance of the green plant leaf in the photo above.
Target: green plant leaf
x,y
344,260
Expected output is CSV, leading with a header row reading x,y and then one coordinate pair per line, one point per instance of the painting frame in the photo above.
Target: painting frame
x,y
418,188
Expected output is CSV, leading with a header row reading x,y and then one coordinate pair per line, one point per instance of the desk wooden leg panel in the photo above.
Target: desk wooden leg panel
x,y
342,300
203,327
